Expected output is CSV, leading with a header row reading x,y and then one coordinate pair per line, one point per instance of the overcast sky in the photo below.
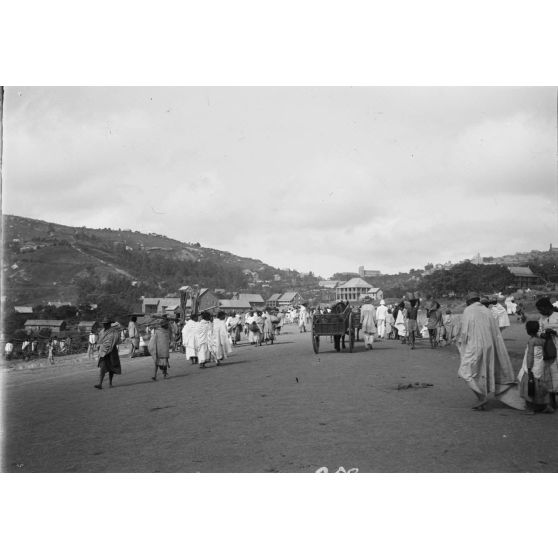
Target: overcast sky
x,y
321,179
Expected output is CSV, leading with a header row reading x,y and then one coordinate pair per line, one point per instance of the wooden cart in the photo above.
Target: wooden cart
x,y
334,324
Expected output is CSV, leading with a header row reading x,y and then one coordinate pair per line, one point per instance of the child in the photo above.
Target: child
x,y
534,378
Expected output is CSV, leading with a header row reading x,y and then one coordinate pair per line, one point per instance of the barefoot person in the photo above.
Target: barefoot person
x,y
109,361
189,338
221,341
485,363
368,322
133,334
534,377
159,347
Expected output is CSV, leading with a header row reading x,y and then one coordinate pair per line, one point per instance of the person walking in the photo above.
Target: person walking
x,y
91,344
368,322
534,377
400,323
109,361
500,313
484,361
189,339
302,319
220,341
267,333
133,334
50,349
259,320
8,350
203,339
159,347
548,329
412,324
381,316
435,317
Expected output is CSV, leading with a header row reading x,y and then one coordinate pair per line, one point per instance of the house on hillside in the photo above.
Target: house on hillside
x,y
376,293
352,289
149,305
206,301
273,300
34,326
254,300
231,305
290,299
524,277
368,272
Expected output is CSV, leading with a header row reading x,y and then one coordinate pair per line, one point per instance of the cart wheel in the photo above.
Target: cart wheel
x,y
351,334
316,343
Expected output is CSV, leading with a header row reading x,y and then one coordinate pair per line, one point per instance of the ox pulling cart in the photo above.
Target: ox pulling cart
x,y
340,322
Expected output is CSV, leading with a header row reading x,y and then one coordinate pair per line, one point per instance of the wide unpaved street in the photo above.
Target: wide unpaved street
x,y
252,415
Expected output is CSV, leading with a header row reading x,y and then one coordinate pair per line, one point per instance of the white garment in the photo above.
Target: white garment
x,y
501,315
381,312
400,323
220,339
189,339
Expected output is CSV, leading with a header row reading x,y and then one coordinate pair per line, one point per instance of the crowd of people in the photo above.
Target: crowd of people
x,y
484,361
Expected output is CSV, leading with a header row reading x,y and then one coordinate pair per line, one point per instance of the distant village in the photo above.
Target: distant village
x,y
266,287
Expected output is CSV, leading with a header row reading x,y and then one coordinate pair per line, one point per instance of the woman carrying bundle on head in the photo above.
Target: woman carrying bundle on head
x,y
159,347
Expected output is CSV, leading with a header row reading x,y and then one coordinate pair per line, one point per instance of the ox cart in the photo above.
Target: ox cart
x,y
336,325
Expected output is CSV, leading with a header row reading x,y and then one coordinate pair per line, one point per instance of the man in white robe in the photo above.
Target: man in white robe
x,y
381,315
485,363
368,322
204,338
189,338
220,338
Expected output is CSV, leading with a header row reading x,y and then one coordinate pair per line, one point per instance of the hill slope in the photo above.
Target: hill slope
x,y
44,262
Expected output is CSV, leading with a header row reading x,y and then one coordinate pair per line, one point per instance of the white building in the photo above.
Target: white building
x,y
353,289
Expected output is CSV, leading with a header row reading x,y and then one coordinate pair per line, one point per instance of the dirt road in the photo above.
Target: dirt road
x,y
277,408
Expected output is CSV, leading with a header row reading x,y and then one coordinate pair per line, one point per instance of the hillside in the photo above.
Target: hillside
x,y
44,262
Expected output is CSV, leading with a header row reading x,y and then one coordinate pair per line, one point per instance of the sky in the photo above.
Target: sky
x,y
321,179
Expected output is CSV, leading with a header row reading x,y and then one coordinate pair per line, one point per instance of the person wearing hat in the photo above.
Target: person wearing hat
x,y
485,364
368,322
109,361
159,346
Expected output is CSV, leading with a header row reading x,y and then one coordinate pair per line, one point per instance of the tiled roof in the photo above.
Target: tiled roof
x,y
355,283
46,323
522,271
287,296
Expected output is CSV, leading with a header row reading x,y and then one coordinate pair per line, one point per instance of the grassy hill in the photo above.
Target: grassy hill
x,y
44,262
